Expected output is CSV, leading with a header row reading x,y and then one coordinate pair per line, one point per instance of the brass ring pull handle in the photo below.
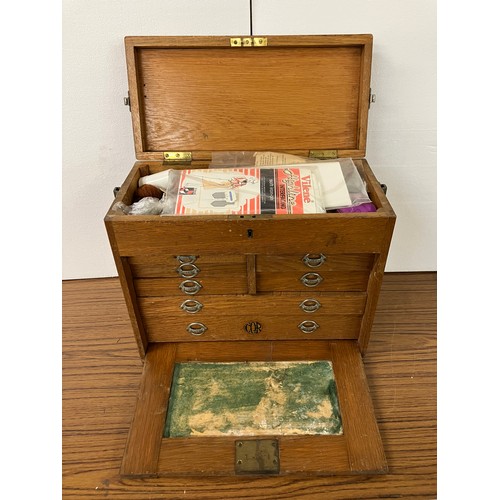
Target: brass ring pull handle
x,y
308,326
310,305
196,329
190,287
311,279
186,259
187,270
313,260
191,306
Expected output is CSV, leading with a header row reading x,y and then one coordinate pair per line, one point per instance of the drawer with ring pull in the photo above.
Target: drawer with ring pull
x,y
274,304
326,281
250,326
318,271
186,266
169,287
268,315
321,262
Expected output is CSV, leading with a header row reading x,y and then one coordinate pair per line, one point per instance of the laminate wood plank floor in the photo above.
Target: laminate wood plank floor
x,y
101,373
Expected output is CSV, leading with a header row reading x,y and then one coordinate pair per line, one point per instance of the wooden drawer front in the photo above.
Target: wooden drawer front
x,y
244,317
315,271
329,281
315,262
166,287
333,233
186,266
262,305
179,328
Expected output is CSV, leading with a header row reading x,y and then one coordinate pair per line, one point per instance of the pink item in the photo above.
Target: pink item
x,y
364,207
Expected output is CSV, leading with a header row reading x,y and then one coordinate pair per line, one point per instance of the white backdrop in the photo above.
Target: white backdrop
x,y
97,142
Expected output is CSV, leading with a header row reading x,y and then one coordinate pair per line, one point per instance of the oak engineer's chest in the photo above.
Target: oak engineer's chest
x,y
266,292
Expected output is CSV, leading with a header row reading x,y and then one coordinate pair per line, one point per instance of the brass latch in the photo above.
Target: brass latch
x,y
323,154
257,456
177,156
249,42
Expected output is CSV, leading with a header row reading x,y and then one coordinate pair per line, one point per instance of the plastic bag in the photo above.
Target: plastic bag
x,y
145,206
243,191
340,181
255,182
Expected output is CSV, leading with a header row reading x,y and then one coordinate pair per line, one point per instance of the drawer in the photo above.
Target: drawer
x,y
167,287
323,262
186,266
163,327
329,281
318,272
266,304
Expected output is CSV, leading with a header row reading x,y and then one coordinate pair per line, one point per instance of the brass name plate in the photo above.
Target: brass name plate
x,y
257,456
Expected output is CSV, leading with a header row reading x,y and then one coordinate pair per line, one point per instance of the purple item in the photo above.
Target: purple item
x,y
364,207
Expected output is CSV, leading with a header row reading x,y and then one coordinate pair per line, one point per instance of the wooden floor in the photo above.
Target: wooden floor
x,y
101,371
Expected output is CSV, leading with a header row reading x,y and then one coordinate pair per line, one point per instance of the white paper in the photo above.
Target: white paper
x,y
270,158
333,185
160,180
335,193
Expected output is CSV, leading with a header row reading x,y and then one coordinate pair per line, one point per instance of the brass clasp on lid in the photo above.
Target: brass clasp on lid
x,y
257,41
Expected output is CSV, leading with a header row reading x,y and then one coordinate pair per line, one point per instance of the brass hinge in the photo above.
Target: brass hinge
x,y
177,157
248,42
323,154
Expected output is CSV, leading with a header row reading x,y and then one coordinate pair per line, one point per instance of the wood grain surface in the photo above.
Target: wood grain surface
x,y
101,375
251,98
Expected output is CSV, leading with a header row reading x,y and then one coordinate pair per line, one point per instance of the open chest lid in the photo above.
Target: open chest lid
x,y
306,95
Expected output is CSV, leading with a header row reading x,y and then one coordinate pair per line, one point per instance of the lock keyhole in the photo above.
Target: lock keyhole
x,y
250,233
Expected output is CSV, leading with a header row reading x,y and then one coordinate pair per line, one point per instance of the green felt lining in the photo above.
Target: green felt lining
x,y
254,398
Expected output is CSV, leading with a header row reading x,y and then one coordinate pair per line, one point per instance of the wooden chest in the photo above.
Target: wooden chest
x,y
250,288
